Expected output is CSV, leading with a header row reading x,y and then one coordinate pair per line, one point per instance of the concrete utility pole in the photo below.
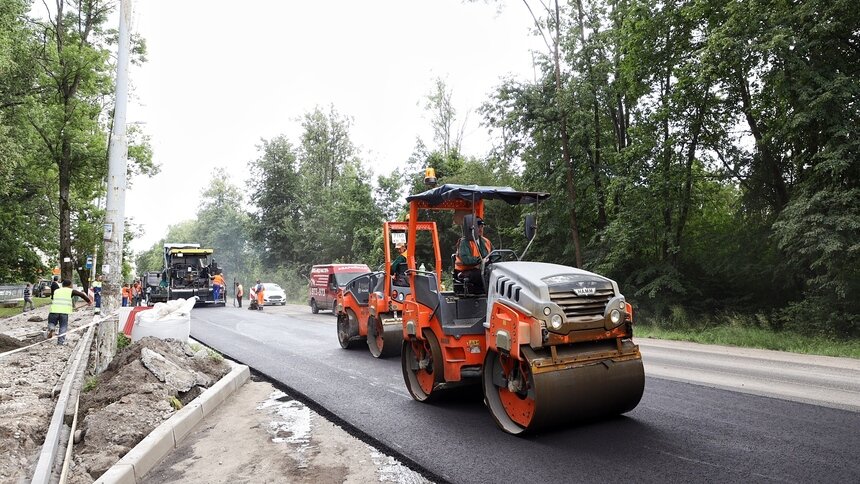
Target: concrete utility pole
x,y
114,227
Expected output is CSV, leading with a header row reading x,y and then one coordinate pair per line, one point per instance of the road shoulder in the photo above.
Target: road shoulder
x,y
262,435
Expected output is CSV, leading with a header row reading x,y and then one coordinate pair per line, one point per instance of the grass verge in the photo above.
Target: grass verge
x,y
15,310
754,338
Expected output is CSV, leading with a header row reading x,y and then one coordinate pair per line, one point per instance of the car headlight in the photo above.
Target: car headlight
x,y
555,321
622,305
615,316
546,311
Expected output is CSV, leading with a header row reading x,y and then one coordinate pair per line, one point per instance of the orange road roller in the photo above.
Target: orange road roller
x,y
549,344
370,306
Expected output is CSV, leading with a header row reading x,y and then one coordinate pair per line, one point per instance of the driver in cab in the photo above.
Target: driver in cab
x,y
467,263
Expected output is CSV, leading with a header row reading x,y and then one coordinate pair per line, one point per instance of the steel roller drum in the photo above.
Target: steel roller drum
x,y
389,342
574,388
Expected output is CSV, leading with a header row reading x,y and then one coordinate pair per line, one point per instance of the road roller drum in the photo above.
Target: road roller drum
x,y
540,391
384,336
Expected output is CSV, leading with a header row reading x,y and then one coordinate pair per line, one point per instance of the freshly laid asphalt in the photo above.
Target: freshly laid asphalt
x,y
679,432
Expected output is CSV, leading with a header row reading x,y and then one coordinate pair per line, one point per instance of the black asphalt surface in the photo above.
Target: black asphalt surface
x,y
679,432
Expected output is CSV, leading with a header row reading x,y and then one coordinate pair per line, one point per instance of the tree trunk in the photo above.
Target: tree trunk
x,y
565,144
595,153
65,174
686,194
771,166
666,171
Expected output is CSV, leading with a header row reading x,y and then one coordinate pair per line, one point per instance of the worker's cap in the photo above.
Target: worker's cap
x,y
479,221
399,245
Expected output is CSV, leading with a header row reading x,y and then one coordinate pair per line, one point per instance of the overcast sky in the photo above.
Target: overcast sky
x,y
222,75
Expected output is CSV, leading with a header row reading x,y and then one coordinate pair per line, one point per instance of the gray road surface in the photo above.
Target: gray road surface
x,y
679,432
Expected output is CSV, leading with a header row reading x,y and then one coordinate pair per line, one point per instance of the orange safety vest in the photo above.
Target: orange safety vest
x,y
125,292
218,279
458,263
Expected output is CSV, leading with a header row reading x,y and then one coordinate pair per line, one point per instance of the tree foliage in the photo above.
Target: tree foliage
x,y
56,86
711,148
703,153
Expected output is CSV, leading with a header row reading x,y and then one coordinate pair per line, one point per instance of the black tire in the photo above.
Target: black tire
x,y
314,308
334,308
347,329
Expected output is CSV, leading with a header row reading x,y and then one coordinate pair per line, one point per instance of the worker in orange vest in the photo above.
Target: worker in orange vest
x,y
135,293
467,263
260,292
217,286
126,295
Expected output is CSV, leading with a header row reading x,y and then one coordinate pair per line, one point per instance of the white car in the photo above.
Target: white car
x,y
273,295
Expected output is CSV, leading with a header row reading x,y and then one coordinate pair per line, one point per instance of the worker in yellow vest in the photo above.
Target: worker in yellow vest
x,y
61,307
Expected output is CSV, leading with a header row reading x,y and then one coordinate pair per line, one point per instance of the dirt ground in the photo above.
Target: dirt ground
x,y
27,380
281,439
141,388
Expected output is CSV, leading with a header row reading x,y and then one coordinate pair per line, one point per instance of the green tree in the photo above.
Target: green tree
x,y
223,225
73,78
275,187
67,112
26,222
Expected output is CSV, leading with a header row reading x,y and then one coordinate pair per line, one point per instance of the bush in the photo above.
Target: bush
x,y
122,341
91,384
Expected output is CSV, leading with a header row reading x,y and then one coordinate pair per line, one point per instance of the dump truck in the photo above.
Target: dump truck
x,y
549,344
186,273
369,307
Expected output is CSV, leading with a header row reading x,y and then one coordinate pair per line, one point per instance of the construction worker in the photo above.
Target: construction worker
x,y
61,308
260,290
135,293
217,285
97,294
467,263
126,294
240,291
54,285
398,265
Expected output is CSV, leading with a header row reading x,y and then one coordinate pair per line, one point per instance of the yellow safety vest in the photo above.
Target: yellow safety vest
x,y
62,301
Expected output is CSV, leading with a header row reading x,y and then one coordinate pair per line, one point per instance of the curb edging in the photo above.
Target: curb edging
x,y
163,439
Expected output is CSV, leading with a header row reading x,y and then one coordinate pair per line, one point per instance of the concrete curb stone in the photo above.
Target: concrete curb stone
x,y
164,438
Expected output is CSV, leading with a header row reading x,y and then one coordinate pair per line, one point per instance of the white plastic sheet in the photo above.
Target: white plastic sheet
x,y
165,320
